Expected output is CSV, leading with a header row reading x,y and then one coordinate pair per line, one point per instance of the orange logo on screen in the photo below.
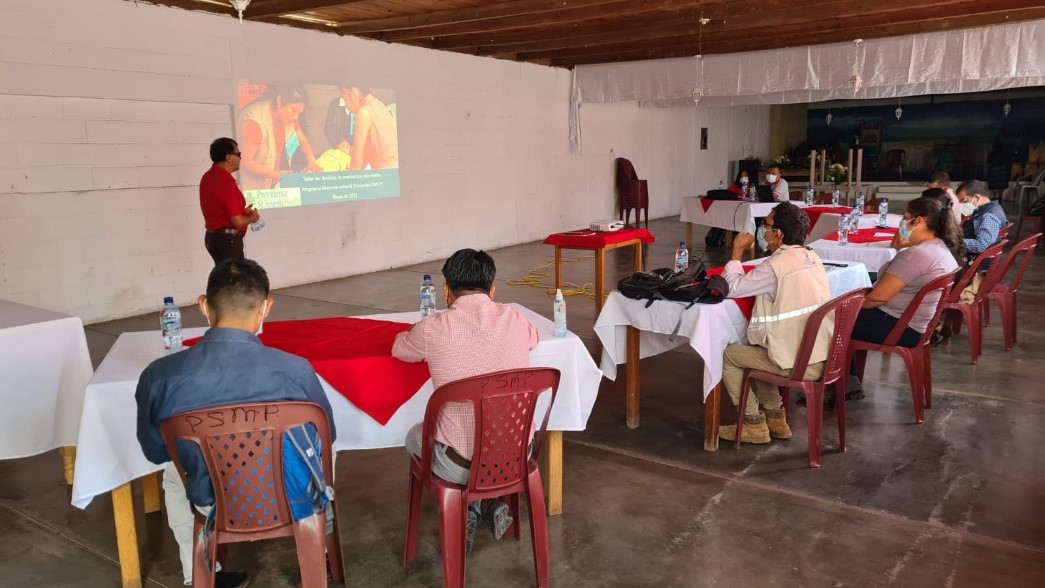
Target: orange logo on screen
x,y
249,91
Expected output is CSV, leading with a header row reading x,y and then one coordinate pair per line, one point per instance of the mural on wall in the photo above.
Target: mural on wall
x,y
971,139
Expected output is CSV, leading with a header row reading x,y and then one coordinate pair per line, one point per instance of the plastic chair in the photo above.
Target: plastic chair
x,y
1005,294
242,446
955,311
634,193
503,465
1025,192
1003,233
918,359
845,309
895,159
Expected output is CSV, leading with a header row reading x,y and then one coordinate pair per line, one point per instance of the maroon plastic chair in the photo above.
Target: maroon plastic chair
x,y
918,359
1003,233
503,464
634,193
954,310
845,309
243,449
1005,294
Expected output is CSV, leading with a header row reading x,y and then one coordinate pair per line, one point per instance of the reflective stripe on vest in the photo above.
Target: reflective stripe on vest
x,y
785,315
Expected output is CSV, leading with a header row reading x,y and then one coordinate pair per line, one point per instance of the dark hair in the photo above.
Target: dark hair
x,y
468,270
750,181
287,93
236,286
938,219
939,177
222,148
974,188
772,166
938,193
792,222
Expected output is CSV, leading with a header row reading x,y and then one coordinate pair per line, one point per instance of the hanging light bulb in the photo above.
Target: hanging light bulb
x,y
1007,108
240,6
899,111
828,117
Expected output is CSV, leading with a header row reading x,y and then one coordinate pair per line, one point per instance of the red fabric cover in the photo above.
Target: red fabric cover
x,y
706,203
814,212
866,236
354,356
587,239
746,305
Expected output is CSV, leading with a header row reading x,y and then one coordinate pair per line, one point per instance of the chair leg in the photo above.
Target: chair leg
x,y
203,552
741,409
413,519
538,524
785,397
335,550
927,375
840,390
914,374
859,359
514,503
975,331
1010,299
309,538
815,420
452,522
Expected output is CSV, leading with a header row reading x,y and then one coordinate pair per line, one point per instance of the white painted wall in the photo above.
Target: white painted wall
x,y
107,107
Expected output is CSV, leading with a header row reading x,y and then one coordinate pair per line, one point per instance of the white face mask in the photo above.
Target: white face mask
x,y
743,181
771,178
968,208
264,309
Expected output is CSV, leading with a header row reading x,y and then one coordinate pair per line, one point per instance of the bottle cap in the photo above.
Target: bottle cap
x,y
558,294
168,300
428,276
682,243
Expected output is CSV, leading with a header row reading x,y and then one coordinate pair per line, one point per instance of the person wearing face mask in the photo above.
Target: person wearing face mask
x,y
778,184
929,246
787,287
228,366
742,185
272,138
986,219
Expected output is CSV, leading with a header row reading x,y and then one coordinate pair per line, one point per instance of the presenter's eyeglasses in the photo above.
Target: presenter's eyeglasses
x,y
237,154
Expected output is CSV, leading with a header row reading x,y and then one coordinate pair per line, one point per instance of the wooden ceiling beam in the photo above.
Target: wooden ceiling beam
x,y
460,17
260,10
193,5
608,54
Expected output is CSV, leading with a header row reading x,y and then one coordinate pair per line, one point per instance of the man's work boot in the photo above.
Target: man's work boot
x,y
755,431
777,424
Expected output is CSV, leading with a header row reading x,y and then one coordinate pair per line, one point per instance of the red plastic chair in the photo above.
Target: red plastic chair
x,y
503,465
918,359
243,449
955,311
634,193
845,309
1005,294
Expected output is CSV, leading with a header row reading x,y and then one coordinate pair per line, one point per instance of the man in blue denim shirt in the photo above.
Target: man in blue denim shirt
x,y
229,365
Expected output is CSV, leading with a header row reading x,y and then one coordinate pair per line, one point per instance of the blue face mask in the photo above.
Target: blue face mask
x,y
760,236
904,229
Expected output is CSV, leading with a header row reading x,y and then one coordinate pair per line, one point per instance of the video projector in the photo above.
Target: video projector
x,y
606,225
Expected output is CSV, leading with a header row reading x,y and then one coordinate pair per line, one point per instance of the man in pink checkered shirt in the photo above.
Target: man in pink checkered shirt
x,y
474,336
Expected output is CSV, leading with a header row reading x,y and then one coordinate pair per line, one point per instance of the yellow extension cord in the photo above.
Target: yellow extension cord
x,y
537,276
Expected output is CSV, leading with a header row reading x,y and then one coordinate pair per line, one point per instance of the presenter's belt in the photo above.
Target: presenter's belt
x,y
225,232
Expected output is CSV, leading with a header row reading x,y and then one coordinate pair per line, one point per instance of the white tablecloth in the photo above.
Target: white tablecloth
x,y
707,328
828,224
44,368
872,255
732,215
109,454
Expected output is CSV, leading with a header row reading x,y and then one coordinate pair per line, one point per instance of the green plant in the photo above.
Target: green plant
x,y
836,174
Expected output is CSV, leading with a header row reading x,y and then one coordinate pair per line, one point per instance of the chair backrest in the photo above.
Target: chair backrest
x,y
242,446
845,308
1003,233
625,172
943,285
990,253
503,405
1024,250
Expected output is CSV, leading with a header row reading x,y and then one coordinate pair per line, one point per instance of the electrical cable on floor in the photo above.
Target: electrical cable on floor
x,y
537,276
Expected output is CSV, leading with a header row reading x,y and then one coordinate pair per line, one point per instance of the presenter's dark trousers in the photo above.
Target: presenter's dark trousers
x,y
222,246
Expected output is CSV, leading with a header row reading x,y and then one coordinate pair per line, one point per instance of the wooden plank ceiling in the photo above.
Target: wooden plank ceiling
x,y
565,33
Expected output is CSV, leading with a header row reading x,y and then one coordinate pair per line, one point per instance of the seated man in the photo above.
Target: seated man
x,y
474,336
229,365
986,219
781,192
787,287
941,180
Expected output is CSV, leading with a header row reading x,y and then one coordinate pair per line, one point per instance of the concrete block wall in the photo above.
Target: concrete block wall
x,y
107,108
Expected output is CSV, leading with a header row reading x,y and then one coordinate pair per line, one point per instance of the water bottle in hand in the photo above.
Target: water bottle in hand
x,y
559,313
681,258
427,296
843,229
883,213
257,226
836,197
170,325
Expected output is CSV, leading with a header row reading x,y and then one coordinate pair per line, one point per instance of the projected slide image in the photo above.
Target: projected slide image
x,y
316,144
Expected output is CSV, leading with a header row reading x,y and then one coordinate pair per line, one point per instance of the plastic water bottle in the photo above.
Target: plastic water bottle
x,y
681,258
258,225
721,185
836,197
427,296
854,220
170,325
810,196
559,313
843,229
883,212
859,205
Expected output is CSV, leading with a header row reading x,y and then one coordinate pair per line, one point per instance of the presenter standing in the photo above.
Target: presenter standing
x,y
226,214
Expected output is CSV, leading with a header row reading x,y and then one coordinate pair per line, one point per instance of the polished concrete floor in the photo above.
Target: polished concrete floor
x,y
956,502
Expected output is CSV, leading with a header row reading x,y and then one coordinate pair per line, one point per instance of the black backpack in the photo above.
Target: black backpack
x,y
665,284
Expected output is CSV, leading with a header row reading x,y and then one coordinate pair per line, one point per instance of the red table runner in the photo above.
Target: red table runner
x,y
814,212
866,236
746,305
354,356
588,239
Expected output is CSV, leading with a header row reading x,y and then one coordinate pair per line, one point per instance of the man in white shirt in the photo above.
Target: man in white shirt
x,y
778,184
788,287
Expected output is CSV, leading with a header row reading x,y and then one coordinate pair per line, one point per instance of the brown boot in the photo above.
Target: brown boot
x,y
776,421
755,431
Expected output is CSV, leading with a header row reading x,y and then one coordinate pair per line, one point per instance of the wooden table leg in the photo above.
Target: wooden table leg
x,y
68,463
689,236
638,256
600,278
558,267
151,492
126,536
711,417
553,472
632,380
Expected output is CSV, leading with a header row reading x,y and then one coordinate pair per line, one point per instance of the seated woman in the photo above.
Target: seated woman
x,y
929,246
742,184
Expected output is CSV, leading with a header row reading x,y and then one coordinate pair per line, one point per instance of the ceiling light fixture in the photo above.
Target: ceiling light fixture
x,y
899,111
828,117
240,6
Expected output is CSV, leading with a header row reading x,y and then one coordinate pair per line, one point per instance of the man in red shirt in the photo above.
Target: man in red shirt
x,y
225,211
